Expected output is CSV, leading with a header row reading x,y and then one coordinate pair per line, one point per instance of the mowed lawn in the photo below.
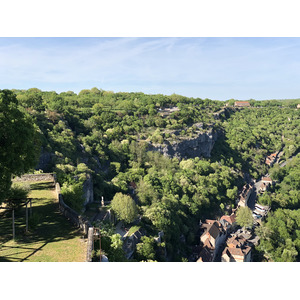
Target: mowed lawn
x,y
51,237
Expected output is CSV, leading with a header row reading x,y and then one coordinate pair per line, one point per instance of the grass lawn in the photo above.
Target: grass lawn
x,y
51,237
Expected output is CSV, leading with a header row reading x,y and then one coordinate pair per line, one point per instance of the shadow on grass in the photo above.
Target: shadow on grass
x,y
42,185
49,226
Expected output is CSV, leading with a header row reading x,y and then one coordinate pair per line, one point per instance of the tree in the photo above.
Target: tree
x,y
124,207
73,195
17,194
115,251
19,141
244,217
146,248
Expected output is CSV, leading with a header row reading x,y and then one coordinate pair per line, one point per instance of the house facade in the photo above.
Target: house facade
x,y
245,194
242,104
212,237
237,250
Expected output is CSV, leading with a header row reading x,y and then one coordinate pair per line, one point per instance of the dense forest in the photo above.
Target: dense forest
x,y
106,136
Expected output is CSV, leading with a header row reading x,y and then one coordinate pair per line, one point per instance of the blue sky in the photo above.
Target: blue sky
x,y
215,68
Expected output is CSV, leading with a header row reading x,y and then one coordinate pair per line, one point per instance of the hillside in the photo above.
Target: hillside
x,y
181,159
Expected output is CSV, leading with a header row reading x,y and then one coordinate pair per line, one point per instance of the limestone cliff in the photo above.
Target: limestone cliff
x,y
88,190
185,147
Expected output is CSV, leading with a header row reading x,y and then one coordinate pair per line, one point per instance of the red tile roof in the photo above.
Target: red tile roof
x,y
267,179
230,219
242,103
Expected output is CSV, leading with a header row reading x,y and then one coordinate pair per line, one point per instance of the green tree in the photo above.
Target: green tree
x,y
73,195
146,248
116,252
17,194
19,141
244,217
124,207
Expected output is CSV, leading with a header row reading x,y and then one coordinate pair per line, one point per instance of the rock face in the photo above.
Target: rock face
x,y
88,191
45,160
198,146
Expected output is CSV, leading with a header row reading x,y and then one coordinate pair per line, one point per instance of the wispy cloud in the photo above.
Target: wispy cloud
x,y
217,68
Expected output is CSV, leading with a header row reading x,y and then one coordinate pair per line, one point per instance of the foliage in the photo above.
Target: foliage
x,y
244,217
106,135
286,193
19,141
280,235
124,207
111,243
252,134
17,195
73,195
145,250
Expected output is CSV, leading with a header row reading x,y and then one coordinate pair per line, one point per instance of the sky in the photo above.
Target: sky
x,y
209,67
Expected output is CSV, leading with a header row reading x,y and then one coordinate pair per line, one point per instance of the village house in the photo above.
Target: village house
x,y
212,237
206,254
242,104
228,222
271,159
266,182
245,194
237,250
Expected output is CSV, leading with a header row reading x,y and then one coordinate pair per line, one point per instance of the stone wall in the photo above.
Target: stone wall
x,y
35,177
70,213
90,244
77,220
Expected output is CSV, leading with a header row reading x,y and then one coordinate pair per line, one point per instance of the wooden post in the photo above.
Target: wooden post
x,y
100,245
13,223
30,208
26,217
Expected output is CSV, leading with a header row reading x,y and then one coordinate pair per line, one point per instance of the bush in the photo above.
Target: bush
x,y
18,194
73,195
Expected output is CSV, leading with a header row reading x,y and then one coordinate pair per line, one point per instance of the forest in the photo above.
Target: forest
x,y
106,136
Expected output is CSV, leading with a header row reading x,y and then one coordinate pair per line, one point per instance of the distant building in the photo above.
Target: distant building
x,y
211,232
263,187
206,254
267,180
237,250
228,222
245,194
271,159
242,104
212,237
236,254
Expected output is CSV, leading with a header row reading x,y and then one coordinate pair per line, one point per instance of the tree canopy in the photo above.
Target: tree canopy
x,y
19,141
124,206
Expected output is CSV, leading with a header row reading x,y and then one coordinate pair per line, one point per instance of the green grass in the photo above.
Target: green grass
x,y
133,229
51,237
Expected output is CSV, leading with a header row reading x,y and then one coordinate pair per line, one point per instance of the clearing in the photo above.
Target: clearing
x,y
51,237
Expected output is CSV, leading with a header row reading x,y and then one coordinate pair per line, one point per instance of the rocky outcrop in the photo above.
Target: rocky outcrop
x,y
88,190
45,160
199,146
